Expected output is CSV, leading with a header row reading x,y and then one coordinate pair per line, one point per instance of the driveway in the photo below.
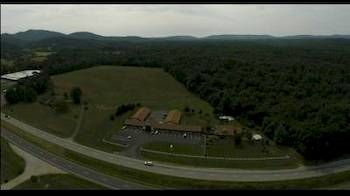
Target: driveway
x,y
140,137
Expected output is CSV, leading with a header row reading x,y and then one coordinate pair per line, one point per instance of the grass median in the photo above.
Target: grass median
x,y
57,182
12,165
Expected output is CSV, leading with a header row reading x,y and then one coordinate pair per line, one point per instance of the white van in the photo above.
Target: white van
x,y
148,163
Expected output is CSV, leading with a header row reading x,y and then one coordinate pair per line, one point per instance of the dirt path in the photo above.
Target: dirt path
x,y
77,128
34,166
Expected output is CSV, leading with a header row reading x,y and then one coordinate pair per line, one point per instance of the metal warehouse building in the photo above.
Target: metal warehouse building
x,y
19,75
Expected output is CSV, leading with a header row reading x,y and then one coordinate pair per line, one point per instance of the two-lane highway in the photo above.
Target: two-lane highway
x,y
69,166
217,174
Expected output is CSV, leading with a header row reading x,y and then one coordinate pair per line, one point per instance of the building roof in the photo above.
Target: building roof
x,y
170,127
138,119
225,130
141,114
175,127
173,116
19,75
134,122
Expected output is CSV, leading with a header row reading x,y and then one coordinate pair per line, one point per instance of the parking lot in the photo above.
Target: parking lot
x,y
133,138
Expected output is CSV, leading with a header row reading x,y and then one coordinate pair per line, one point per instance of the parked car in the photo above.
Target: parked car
x,y
185,134
148,163
129,137
124,127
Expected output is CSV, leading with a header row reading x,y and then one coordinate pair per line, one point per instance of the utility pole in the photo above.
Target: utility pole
x,y
205,145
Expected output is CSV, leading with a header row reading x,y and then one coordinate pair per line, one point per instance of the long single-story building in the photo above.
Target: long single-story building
x,y
179,128
139,119
19,75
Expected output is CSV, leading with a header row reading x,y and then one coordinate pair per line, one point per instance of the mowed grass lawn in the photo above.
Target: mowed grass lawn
x,y
107,87
57,182
224,148
41,56
112,86
43,117
12,165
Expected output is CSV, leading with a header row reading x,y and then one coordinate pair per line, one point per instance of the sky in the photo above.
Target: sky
x,y
175,19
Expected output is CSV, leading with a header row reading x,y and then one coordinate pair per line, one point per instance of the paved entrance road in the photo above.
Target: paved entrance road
x,y
218,174
68,166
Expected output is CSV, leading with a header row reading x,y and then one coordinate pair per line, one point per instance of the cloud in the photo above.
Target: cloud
x,y
163,20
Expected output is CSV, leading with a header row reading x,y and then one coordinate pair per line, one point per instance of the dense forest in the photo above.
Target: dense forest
x,y
297,91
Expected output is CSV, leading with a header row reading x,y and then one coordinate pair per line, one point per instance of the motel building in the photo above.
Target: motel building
x,y
170,124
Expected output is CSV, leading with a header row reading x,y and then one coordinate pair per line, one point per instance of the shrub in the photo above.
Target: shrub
x,y
34,179
124,108
60,106
76,95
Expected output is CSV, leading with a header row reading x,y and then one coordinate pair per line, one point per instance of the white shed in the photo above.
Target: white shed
x,y
228,118
256,137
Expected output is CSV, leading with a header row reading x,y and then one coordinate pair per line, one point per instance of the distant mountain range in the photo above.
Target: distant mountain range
x,y
37,35
83,40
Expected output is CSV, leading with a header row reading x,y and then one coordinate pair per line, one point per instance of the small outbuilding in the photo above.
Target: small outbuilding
x,y
256,137
226,118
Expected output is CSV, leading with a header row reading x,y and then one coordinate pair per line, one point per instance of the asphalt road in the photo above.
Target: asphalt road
x,y
68,166
218,174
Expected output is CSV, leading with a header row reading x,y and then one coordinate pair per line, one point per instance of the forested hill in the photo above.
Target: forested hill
x,y
297,91
38,35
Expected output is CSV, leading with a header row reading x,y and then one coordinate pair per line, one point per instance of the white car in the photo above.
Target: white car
x,y
156,132
148,163
185,135
124,127
129,137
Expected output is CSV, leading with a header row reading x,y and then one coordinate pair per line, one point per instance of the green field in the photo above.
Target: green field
x,y
57,182
12,165
110,86
41,56
224,148
43,117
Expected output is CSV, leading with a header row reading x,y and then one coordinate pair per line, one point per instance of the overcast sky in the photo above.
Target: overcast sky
x,y
164,20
